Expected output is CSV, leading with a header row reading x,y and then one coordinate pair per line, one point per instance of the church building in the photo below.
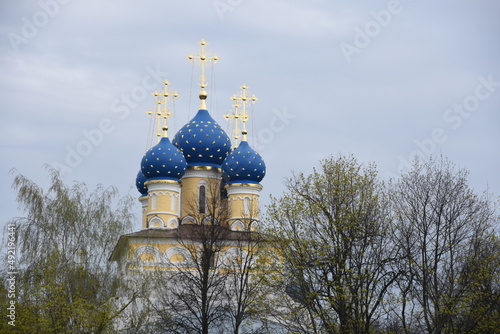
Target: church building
x,y
198,178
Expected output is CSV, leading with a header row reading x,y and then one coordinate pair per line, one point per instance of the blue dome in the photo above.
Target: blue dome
x,y
243,165
139,183
203,141
163,161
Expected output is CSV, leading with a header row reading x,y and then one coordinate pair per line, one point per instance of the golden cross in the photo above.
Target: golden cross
x,y
162,114
202,57
243,115
245,101
236,116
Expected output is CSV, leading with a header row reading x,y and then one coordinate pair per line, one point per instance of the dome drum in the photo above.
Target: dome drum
x,y
243,188
162,185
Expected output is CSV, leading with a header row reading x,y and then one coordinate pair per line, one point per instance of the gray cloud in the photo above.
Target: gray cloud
x,y
84,63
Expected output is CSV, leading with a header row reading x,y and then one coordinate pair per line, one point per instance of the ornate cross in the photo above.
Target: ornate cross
x,y
163,113
240,100
203,57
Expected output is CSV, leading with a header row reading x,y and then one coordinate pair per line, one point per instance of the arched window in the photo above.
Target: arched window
x,y
202,199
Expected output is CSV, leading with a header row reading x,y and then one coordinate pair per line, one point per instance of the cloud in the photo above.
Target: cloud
x,y
67,78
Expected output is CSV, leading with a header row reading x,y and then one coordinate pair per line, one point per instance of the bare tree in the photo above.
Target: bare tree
x,y
246,270
213,286
191,300
445,231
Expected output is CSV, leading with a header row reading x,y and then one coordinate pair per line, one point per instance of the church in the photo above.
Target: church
x,y
199,193
196,178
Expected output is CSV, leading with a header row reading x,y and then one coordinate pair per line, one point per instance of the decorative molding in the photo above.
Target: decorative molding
x,y
244,190
208,220
228,258
172,224
177,250
188,220
246,205
173,202
148,249
241,198
144,201
244,219
154,197
203,173
162,213
149,182
246,185
153,186
238,226
254,226
153,221
212,168
164,193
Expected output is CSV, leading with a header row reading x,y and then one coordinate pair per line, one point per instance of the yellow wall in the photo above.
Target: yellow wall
x,y
163,202
190,193
189,200
236,204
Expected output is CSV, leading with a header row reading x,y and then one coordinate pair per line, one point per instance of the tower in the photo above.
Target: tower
x,y
205,145
243,170
158,181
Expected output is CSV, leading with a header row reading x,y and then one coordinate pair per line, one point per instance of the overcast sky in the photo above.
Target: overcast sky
x,y
381,80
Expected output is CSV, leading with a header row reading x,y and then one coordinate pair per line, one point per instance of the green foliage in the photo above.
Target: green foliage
x,y
330,227
478,310
64,279
342,253
417,256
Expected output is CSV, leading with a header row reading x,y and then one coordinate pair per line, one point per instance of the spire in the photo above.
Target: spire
x,y
240,115
202,57
162,112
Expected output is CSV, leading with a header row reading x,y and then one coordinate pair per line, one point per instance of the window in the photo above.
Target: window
x,y
202,199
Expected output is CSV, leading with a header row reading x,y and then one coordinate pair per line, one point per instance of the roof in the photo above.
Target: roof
x,y
203,141
185,232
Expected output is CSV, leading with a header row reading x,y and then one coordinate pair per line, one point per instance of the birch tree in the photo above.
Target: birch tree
x,y
64,280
